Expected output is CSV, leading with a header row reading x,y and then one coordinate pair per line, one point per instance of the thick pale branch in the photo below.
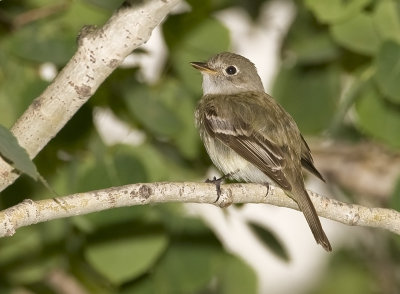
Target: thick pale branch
x,y
31,212
99,52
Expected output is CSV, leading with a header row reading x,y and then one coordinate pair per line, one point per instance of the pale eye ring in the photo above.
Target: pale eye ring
x,y
231,70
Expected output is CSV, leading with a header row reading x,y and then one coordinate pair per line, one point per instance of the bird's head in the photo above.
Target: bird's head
x,y
228,73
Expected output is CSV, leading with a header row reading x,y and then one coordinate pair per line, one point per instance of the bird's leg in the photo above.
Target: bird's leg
x,y
268,185
217,183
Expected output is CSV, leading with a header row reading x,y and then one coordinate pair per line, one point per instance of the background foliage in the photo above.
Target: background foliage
x,y
339,78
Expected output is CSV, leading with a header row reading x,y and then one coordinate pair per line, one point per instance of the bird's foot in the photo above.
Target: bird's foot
x,y
217,183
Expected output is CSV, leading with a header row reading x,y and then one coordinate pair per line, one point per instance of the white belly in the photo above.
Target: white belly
x,y
229,162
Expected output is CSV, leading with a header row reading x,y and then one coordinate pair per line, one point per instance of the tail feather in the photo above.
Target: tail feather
x,y
306,206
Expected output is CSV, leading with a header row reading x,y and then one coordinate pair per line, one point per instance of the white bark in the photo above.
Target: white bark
x,y
31,212
99,52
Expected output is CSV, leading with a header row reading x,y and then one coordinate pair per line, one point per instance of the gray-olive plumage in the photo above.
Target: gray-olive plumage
x,y
249,136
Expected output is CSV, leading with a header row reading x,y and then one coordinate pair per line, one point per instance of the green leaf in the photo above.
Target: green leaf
x,y
113,217
182,104
357,34
271,241
32,271
7,289
25,258
41,41
334,11
203,41
387,73
297,41
387,19
124,258
348,274
13,152
166,110
27,240
147,106
91,174
236,277
160,167
142,286
20,83
187,267
81,13
360,80
309,94
128,168
378,117
321,49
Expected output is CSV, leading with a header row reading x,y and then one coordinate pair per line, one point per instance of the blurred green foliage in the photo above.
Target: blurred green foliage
x,y
14,153
337,57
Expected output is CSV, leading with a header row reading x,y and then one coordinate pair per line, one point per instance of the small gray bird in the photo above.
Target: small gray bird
x,y
249,136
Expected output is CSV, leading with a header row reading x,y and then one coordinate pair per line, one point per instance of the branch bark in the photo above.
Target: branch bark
x,y
31,212
99,52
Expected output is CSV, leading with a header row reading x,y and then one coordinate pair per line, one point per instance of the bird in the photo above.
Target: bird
x,y
250,137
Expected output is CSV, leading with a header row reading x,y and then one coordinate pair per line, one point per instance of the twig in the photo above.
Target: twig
x,y
31,212
100,51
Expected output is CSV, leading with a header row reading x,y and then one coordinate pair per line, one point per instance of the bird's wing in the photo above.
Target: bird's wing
x,y
307,160
248,143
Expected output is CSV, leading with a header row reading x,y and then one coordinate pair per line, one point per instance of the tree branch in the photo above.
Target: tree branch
x,y
31,212
99,52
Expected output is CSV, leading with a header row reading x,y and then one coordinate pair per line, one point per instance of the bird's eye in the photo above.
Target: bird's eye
x,y
231,70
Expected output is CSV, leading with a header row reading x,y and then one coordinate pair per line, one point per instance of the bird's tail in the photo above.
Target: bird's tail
x,y
306,206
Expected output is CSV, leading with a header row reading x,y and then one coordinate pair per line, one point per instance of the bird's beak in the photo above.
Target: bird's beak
x,y
203,67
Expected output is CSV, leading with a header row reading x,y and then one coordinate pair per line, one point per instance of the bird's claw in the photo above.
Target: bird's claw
x,y
217,183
